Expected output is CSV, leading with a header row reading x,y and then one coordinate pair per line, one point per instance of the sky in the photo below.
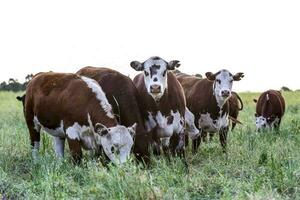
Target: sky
x,y
260,37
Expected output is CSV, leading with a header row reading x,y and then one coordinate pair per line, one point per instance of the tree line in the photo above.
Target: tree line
x,y
14,85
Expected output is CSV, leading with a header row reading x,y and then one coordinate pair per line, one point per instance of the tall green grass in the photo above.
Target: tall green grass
x,y
257,166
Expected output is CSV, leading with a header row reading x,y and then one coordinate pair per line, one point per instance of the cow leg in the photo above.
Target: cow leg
x,y
233,126
34,132
196,144
211,135
75,148
223,137
204,136
186,140
59,146
179,144
277,125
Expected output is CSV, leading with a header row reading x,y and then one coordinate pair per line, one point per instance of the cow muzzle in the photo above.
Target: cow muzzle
x,y
155,89
225,93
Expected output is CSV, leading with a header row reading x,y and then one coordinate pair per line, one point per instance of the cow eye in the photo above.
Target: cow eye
x,y
146,73
218,81
231,81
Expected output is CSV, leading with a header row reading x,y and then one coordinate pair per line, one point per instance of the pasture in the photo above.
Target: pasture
x,y
257,166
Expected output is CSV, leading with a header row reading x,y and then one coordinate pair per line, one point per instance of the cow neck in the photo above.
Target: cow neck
x,y
161,104
220,103
98,117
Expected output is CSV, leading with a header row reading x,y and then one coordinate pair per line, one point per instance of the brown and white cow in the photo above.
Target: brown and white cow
x,y
235,106
207,100
162,102
270,108
72,107
123,96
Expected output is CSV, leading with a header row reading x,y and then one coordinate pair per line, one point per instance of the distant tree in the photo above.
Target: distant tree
x,y
286,89
14,84
3,86
176,71
27,79
198,75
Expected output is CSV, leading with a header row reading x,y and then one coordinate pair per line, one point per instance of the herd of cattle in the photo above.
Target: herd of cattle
x,y
102,110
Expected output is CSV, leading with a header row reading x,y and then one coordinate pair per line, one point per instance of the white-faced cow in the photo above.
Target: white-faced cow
x,y
207,100
122,95
73,107
270,108
162,103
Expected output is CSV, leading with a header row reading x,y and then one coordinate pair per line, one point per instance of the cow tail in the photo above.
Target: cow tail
x,y
241,102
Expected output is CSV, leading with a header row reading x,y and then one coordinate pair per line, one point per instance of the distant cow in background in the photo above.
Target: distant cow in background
x,y
72,107
270,108
235,106
207,100
123,96
162,103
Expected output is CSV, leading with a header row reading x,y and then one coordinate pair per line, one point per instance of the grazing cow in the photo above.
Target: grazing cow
x,y
235,106
122,95
207,100
74,107
162,103
270,108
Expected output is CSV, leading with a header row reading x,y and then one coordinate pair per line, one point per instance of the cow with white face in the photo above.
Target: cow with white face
x,y
155,74
207,99
72,107
162,103
222,84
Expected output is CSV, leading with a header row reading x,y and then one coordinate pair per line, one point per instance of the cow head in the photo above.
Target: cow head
x,y
155,74
116,141
262,122
223,81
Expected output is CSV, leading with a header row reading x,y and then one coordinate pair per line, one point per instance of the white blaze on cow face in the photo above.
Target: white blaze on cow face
x,y
222,86
191,128
116,141
155,74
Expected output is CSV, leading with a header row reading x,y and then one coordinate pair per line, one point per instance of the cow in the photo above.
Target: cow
x,y
207,99
72,107
235,106
162,103
123,96
270,108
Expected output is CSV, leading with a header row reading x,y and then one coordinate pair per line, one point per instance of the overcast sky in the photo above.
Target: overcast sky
x,y
259,38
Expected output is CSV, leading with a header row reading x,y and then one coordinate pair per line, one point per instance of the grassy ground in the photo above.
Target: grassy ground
x,y
258,166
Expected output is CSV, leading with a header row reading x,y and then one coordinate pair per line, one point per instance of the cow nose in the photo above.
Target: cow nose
x,y
225,93
155,89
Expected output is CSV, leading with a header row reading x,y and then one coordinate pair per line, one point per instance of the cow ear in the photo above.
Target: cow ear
x,y
173,64
255,100
210,76
19,98
238,76
136,65
132,129
101,129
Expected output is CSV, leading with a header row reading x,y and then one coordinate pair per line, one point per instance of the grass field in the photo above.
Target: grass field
x,y
258,166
